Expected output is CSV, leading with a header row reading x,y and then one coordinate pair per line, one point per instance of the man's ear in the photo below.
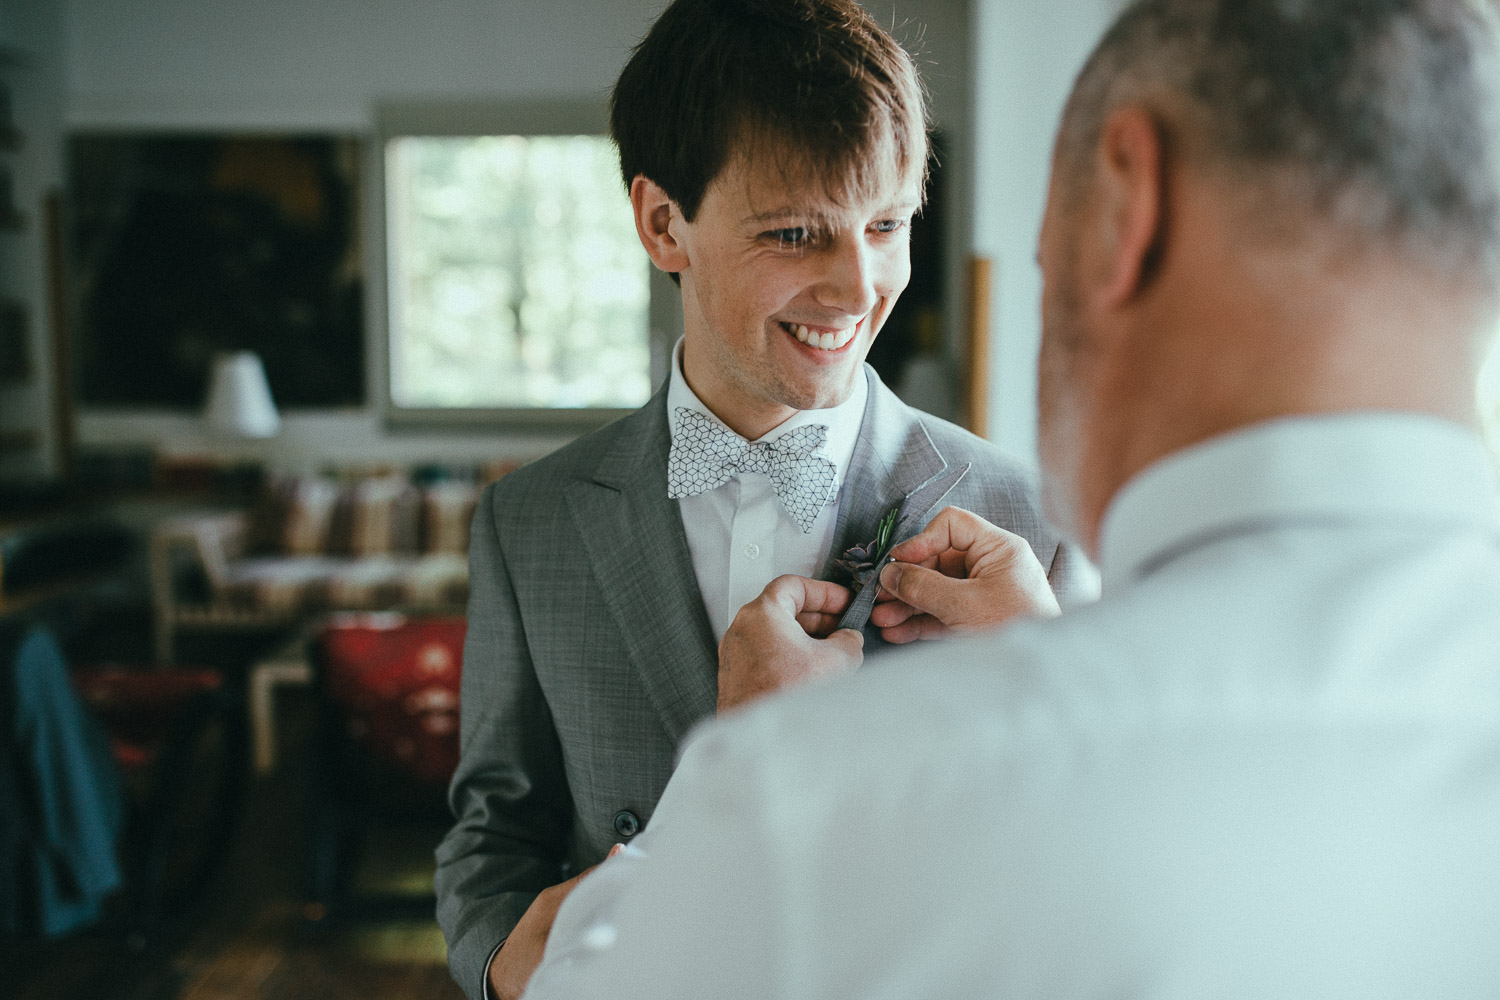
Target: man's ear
x,y
655,214
1133,182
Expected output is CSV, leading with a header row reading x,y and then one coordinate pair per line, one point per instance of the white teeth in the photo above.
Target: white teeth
x,y
832,340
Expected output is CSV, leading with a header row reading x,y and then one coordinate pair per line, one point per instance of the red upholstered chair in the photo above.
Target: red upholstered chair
x,y
388,687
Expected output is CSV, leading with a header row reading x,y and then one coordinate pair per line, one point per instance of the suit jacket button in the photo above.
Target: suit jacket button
x,y
627,823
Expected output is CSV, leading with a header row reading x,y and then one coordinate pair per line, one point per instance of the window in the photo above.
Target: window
x,y
516,286
1489,400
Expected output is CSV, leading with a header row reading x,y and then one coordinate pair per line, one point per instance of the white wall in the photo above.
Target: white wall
x,y
1025,58
320,64
280,65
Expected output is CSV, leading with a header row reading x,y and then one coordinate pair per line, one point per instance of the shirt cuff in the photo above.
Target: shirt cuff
x,y
489,962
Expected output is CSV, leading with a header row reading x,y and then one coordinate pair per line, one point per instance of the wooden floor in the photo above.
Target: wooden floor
x,y
246,939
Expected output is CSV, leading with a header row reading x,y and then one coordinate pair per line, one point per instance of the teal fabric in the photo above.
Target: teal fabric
x,y
67,793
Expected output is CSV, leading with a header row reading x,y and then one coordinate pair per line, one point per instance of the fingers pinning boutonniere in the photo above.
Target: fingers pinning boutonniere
x,y
860,561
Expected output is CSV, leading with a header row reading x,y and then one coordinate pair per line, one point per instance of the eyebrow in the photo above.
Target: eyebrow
x,y
783,212
794,211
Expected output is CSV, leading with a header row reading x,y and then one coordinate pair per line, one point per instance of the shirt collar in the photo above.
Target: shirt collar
x,y
842,420
1400,467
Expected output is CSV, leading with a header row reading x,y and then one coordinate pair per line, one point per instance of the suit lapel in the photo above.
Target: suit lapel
x,y
892,457
640,557
639,552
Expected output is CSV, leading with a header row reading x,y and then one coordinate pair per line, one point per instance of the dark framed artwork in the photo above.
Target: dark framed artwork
x,y
184,246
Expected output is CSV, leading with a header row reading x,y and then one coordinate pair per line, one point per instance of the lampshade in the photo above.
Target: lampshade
x,y
239,399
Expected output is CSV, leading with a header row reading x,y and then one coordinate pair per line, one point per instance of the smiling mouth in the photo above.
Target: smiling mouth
x,y
823,340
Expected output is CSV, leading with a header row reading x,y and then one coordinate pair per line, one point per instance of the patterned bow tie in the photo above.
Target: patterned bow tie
x,y
706,455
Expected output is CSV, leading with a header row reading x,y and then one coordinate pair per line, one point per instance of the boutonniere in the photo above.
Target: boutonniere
x,y
860,561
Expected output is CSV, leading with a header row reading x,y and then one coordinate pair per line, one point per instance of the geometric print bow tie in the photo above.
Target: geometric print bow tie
x,y
705,455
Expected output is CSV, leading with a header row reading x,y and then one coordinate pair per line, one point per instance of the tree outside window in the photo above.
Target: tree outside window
x,y
516,279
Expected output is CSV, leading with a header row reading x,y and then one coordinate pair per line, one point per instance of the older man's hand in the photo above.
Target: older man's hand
x,y
786,636
511,967
960,573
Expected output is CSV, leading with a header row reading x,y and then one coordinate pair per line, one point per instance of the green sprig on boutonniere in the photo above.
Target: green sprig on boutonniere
x,y
860,561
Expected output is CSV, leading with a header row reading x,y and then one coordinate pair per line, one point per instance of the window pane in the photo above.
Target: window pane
x,y
1489,399
516,278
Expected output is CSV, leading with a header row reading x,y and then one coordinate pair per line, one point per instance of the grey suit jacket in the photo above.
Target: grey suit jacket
x,y
590,656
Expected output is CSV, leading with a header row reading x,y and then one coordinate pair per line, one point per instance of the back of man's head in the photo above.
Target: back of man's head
x,y
1377,118
817,82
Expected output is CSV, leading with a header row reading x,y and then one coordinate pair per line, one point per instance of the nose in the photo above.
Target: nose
x,y
851,280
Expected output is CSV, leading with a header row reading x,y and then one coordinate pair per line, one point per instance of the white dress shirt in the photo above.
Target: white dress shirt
x,y
739,535
1265,764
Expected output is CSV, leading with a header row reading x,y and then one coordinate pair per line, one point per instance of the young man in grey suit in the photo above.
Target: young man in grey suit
x,y
775,153
1267,762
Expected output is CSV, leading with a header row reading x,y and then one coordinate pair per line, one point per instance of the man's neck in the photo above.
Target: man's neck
x,y
1226,362
750,423
750,419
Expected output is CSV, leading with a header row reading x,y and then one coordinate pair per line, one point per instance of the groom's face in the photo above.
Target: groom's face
x,y
788,284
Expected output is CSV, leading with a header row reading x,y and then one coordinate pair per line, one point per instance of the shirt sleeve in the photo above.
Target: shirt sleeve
x,y
690,908
484,987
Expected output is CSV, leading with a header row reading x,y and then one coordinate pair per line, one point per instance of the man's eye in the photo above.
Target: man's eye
x,y
796,236
889,225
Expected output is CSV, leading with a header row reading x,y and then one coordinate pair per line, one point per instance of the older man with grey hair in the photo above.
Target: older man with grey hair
x,y
1267,763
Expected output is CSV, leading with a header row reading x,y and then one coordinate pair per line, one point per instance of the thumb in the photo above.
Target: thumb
x,y
850,641
926,590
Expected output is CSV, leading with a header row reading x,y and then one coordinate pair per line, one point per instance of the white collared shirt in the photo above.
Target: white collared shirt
x,y
1265,763
739,535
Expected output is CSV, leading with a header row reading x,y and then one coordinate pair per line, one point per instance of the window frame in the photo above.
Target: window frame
x,y
458,119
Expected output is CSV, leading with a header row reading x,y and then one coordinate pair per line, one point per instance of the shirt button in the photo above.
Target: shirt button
x,y
752,551
627,823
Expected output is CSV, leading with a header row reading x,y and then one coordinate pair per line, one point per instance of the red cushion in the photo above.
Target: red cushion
x,y
397,680
138,707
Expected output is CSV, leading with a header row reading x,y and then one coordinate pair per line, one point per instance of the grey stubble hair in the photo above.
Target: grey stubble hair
x,y
1381,118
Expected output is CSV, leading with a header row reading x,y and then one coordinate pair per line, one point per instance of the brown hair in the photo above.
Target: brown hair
x,y
817,80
